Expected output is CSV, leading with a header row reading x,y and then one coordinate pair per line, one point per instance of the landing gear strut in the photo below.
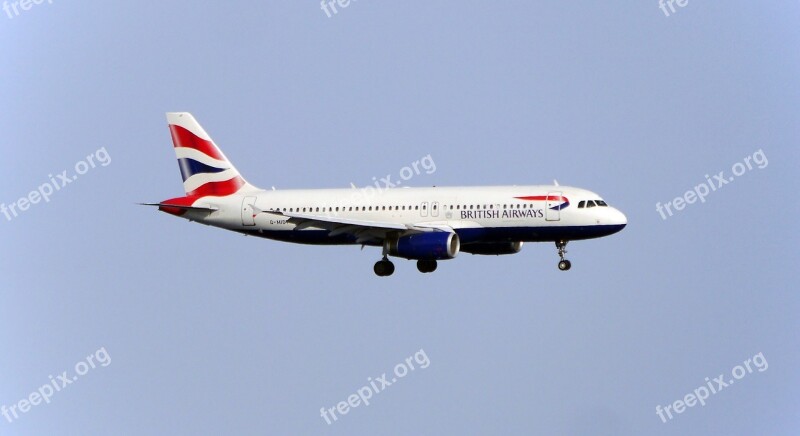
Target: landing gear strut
x,y
384,267
426,266
564,264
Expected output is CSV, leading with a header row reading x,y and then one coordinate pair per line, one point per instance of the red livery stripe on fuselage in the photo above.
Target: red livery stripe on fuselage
x,y
218,189
543,198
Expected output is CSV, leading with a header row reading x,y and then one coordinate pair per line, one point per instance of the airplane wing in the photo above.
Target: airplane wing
x,y
364,230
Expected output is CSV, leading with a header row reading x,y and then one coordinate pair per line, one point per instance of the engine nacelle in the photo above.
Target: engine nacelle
x,y
493,248
426,246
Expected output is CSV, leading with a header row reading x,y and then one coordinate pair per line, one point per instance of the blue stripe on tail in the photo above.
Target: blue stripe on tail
x,y
190,167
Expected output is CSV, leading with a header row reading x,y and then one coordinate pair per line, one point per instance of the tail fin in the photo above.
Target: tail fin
x,y
204,168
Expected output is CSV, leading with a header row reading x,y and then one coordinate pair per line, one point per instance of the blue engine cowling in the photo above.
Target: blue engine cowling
x,y
425,246
493,248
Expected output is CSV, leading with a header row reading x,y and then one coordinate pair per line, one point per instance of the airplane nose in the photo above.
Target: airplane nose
x,y
619,218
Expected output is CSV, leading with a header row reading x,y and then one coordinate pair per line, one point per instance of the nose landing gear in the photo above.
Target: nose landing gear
x,y
564,264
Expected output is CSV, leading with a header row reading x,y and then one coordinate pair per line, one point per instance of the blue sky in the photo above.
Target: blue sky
x,y
206,332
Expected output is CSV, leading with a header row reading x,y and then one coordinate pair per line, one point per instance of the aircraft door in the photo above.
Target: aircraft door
x,y
551,206
248,214
435,208
423,209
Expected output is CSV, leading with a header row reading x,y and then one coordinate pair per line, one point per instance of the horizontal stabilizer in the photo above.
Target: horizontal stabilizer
x,y
180,209
178,206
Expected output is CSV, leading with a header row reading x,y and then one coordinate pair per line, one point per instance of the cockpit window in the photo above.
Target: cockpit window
x,y
591,203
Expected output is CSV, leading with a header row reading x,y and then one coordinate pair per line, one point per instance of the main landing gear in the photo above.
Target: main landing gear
x,y
384,267
426,266
564,264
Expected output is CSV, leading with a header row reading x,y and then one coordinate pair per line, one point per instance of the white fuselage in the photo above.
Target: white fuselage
x,y
476,214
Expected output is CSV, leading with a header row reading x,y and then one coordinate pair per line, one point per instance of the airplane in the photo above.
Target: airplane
x,y
426,224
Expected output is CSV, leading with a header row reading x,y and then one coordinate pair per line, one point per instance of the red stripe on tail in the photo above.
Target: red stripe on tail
x,y
184,138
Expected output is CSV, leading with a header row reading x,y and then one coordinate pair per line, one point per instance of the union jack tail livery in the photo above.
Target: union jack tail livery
x,y
204,168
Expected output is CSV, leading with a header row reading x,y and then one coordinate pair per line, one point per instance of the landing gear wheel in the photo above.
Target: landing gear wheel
x,y
426,266
384,268
564,264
